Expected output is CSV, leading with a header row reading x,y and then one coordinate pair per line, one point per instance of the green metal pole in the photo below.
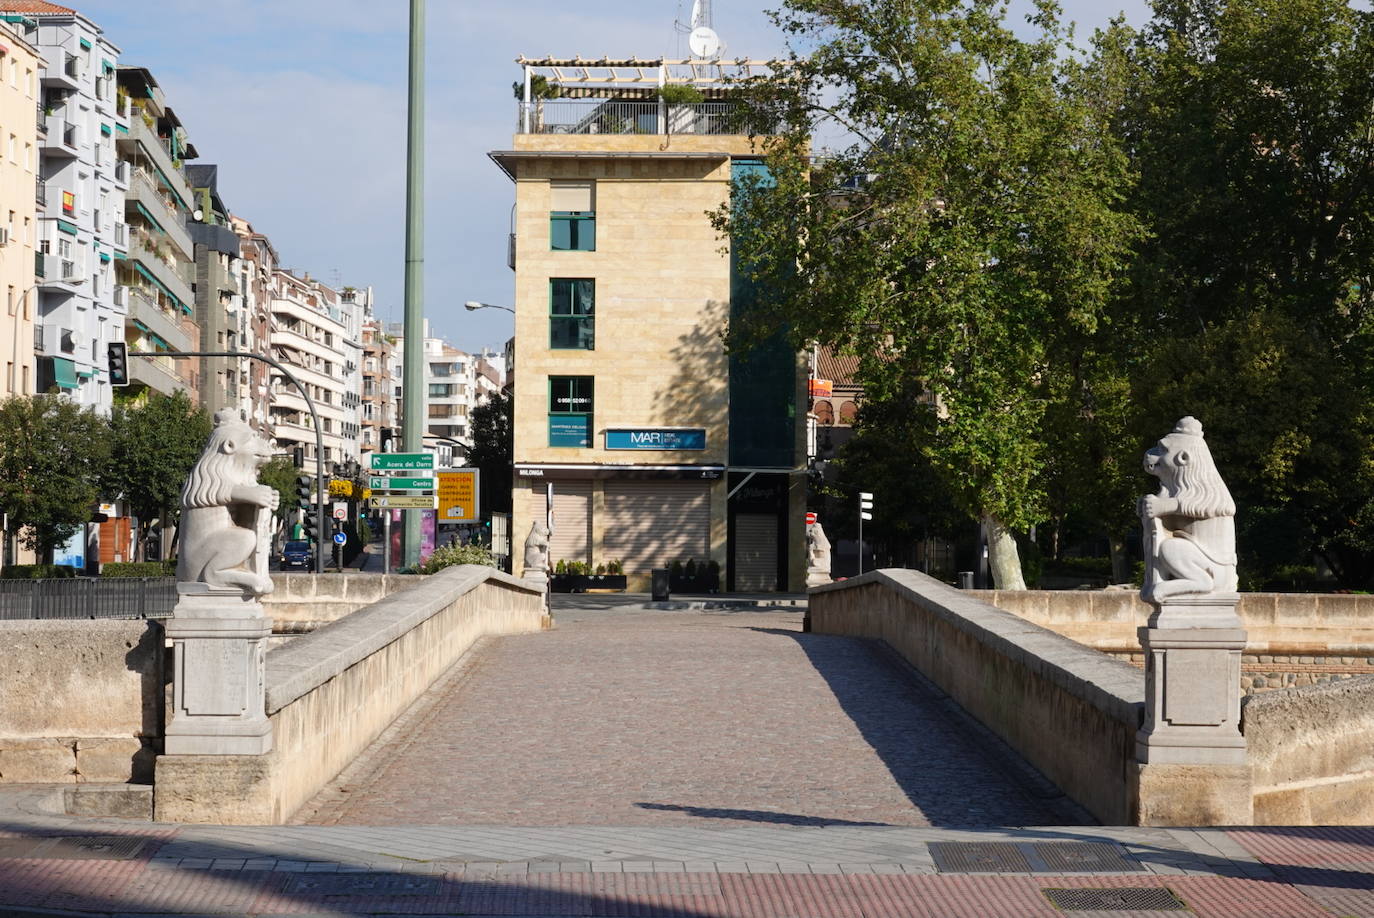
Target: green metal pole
x,y
413,381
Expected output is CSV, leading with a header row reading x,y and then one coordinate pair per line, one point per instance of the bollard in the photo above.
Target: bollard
x,y
966,580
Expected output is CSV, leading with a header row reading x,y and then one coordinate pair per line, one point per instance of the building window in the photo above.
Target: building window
x,y
572,217
572,307
571,403
440,390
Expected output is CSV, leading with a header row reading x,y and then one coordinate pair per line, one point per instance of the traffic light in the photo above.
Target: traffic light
x,y
311,521
305,495
298,457
117,357
865,505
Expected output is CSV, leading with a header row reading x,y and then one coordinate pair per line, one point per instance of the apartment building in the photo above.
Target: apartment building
x,y
450,390
378,417
80,229
258,263
20,63
634,430
158,268
225,325
309,323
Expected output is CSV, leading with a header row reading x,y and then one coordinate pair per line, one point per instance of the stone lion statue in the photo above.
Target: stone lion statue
x,y
225,512
537,549
1190,526
818,555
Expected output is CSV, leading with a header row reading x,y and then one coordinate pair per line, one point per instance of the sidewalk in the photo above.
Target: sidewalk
x,y
868,871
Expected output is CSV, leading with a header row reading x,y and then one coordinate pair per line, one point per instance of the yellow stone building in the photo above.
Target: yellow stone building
x,y
19,115
655,445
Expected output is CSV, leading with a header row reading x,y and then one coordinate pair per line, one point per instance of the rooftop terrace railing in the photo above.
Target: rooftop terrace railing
x,y
602,116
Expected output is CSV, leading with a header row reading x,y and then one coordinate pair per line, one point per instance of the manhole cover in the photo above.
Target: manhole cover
x,y
978,857
363,884
1084,857
74,848
1121,899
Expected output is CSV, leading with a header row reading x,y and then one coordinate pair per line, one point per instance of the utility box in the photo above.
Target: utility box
x,y
658,581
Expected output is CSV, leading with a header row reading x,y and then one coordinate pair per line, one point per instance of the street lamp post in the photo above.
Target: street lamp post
x,y
473,306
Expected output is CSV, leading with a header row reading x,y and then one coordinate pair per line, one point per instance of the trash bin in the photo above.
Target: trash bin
x,y
966,580
658,579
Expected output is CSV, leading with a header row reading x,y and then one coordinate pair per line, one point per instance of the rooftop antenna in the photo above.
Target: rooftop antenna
x,y
702,38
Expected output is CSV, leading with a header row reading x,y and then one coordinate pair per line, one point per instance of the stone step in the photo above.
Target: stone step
x,y
124,801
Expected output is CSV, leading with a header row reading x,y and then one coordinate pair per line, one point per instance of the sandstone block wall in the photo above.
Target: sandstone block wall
x,y
331,692
1293,639
303,602
1071,711
82,700
1312,754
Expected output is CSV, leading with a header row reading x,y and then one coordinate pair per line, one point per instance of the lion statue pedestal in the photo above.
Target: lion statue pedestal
x,y
218,629
1190,753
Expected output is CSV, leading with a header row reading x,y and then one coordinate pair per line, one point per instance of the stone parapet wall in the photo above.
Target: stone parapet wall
x,y
300,603
1070,711
1298,624
83,700
331,692
1312,754
1267,672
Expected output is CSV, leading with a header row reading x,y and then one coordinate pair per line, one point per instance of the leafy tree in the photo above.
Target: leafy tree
x,y
1252,126
280,474
962,241
51,456
154,444
493,449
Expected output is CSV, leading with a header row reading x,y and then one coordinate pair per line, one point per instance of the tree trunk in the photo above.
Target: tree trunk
x,y
1003,557
1117,546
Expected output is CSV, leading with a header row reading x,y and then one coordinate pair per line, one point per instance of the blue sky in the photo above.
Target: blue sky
x,y
302,105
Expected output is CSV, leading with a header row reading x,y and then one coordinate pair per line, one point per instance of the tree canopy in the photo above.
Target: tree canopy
x,y
962,240
52,454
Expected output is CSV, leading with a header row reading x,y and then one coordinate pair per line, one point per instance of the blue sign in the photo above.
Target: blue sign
x,y
655,438
340,538
570,430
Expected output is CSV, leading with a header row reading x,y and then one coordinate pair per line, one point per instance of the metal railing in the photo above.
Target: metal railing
x,y
592,116
88,597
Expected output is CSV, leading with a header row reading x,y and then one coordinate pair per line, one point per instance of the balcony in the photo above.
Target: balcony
x,y
68,76
143,190
609,116
41,193
156,373
152,318
56,272
60,139
144,139
42,121
141,250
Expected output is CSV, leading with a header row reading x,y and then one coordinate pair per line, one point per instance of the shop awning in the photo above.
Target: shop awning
x,y
64,373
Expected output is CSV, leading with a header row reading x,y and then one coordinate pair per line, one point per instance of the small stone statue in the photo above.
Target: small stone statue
x,y
818,555
537,550
1190,527
225,512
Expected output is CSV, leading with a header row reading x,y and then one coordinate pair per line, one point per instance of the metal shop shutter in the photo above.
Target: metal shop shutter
x,y
572,519
651,524
756,552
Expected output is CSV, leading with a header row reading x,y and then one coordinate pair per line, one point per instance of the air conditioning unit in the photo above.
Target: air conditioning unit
x,y
4,236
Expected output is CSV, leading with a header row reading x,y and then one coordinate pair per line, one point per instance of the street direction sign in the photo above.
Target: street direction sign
x,y
340,538
401,484
404,461
405,503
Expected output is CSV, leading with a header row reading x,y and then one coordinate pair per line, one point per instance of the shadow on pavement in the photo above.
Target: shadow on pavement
x,y
784,819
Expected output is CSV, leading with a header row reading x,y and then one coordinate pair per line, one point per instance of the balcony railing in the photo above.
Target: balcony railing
x,y
41,192
601,116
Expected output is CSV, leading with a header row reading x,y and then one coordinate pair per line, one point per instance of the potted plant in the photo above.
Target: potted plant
x,y
681,99
694,576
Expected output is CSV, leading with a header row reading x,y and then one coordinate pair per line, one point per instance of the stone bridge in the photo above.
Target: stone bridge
x,y
895,701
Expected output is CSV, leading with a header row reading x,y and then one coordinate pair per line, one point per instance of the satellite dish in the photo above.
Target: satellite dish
x,y
704,42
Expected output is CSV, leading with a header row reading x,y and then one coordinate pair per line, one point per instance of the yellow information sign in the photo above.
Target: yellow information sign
x,y
458,496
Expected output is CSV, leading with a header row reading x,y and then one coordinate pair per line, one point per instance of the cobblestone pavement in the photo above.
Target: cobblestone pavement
x,y
693,718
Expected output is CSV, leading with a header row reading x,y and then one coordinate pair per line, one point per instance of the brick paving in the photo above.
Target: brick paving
x,y
680,719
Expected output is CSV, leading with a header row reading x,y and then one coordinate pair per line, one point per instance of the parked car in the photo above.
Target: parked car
x,y
297,553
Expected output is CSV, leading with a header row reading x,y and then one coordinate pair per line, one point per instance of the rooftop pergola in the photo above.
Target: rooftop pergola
x,y
632,76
